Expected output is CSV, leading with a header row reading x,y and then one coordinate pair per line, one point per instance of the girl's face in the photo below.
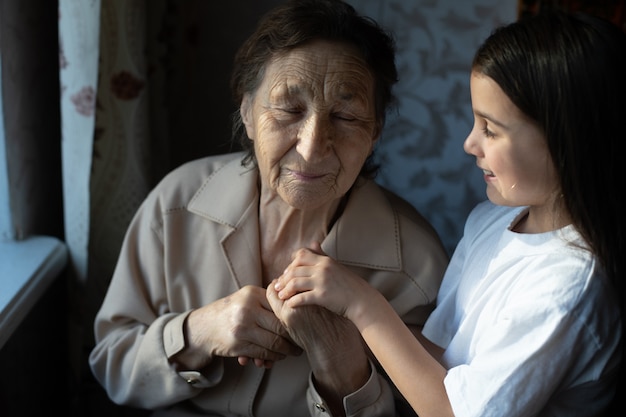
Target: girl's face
x,y
510,149
313,123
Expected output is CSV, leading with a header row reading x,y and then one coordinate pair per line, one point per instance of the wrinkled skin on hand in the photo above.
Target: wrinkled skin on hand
x,y
315,329
239,325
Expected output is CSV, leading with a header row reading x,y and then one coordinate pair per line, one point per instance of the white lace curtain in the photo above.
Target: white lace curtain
x,y
79,35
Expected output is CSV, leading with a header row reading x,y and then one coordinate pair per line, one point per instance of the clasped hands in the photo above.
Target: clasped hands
x,y
256,324
323,334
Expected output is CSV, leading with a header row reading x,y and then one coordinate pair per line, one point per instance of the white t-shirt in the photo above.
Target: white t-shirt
x,y
528,322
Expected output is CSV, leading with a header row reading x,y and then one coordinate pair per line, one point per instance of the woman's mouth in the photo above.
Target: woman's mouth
x,y
306,176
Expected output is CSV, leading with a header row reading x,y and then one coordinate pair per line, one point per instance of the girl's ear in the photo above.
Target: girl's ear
x,y
245,109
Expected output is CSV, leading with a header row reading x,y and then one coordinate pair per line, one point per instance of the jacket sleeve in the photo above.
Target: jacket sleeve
x,y
135,330
374,399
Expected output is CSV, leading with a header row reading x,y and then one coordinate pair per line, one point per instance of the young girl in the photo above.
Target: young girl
x,y
528,315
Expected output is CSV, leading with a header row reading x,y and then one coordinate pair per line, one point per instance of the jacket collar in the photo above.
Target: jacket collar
x,y
227,194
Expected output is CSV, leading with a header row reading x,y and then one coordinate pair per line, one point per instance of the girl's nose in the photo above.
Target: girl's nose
x,y
471,144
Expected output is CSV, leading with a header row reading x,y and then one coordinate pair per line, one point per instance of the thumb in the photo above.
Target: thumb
x,y
316,247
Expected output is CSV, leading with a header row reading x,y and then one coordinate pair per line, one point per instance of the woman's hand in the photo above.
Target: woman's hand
x,y
240,325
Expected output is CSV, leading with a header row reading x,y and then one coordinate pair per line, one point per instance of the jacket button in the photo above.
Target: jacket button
x,y
320,407
192,381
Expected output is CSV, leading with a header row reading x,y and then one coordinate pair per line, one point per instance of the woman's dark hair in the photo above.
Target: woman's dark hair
x,y
567,72
298,22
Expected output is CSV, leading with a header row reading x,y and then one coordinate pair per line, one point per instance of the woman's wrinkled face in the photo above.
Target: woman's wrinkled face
x,y
313,123
510,149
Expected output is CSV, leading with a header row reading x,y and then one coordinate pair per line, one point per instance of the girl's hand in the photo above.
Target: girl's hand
x,y
314,278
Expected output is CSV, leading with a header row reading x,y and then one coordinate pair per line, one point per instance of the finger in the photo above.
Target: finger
x,y
271,335
259,363
256,332
299,299
283,296
304,256
316,247
251,354
271,294
295,280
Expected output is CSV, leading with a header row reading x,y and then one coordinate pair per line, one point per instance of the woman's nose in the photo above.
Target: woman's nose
x,y
314,138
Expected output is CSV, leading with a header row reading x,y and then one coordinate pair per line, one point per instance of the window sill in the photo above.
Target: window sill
x,y
27,268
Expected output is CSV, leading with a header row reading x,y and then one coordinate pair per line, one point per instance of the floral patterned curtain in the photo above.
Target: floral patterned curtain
x,y
78,64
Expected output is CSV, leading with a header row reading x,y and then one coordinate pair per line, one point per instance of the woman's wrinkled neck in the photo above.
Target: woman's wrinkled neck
x,y
283,229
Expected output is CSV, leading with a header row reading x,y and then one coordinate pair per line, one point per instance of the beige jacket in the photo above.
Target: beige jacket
x,y
195,240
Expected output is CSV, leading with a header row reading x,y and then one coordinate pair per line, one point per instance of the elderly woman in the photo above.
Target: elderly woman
x,y
186,318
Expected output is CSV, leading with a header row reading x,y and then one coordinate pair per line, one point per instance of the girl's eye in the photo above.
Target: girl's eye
x,y
488,133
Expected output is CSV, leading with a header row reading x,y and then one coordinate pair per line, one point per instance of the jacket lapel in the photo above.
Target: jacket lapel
x,y
230,198
368,217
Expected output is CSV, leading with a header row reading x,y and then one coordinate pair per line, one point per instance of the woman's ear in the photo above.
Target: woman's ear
x,y
245,109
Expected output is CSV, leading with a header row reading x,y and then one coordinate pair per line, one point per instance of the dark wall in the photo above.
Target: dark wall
x,y
203,37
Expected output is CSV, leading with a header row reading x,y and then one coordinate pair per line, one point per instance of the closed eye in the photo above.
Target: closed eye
x,y
344,116
291,110
488,133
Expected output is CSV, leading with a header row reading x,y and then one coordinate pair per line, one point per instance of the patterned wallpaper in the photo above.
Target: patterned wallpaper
x,y
421,149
